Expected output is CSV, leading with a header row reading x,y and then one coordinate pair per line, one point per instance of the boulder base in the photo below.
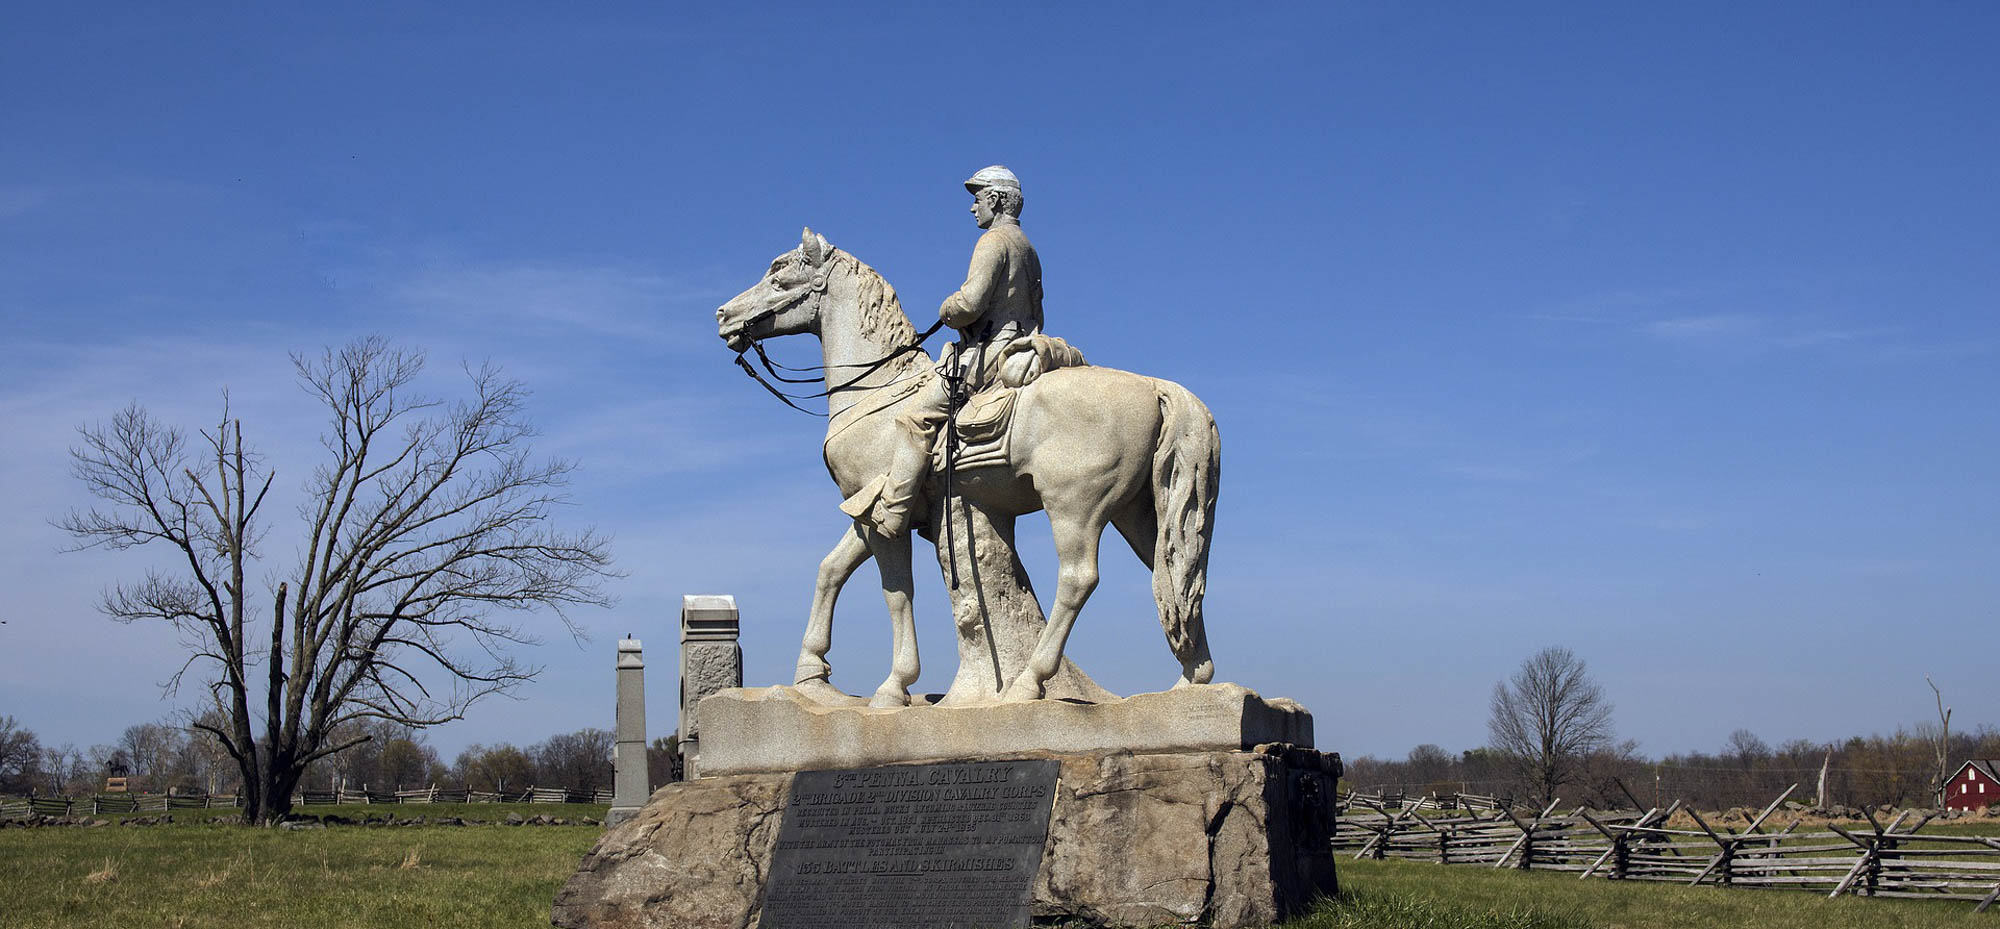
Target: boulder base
x,y
1219,838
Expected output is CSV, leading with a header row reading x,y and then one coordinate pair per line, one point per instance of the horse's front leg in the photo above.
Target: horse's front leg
x,y
892,556
834,570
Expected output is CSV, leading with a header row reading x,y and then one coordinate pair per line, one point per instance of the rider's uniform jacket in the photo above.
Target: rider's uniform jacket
x,y
1000,301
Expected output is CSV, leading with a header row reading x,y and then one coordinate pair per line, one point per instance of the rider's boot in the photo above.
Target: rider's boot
x,y
891,513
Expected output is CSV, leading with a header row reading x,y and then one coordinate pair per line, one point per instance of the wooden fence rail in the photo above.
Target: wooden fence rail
x,y
1880,861
17,808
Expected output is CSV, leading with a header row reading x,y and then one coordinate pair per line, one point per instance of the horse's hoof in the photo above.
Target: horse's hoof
x,y
819,691
890,698
1200,674
1024,689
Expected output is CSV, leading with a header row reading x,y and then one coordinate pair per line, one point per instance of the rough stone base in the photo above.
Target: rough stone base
x,y
1225,839
776,729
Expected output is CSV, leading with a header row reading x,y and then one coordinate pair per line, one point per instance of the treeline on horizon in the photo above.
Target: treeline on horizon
x,y
169,757
1899,770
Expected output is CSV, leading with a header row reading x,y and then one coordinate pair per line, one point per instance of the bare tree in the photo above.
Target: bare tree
x,y
1943,743
500,768
149,750
208,766
1548,718
580,760
426,525
20,757
1428,768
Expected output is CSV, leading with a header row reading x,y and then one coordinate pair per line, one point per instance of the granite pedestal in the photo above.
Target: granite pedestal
x,y
1202,805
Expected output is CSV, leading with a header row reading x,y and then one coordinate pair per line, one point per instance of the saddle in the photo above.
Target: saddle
x,y
983,427
984,424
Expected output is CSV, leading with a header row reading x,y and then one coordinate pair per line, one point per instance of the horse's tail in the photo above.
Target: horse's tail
x,y
1187,469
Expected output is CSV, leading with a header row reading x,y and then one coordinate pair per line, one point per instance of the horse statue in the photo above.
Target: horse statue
x,y
1090,445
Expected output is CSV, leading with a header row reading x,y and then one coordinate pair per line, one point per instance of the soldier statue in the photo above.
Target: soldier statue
x,y
996,312
1031,426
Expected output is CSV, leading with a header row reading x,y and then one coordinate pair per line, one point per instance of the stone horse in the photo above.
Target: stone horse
x,y
1091,446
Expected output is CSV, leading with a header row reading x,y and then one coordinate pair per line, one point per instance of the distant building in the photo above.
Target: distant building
x,y
1976,786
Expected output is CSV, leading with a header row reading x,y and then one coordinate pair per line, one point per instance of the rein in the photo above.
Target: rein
x,y
772,367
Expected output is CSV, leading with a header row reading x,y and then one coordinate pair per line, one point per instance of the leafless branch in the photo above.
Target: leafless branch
x,y
427,522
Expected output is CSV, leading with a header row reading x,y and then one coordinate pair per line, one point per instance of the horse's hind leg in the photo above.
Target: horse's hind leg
x,y
1141,529
811,677
1076,537
892,556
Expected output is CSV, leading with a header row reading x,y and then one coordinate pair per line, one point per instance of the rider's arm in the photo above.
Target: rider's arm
x,y
989,267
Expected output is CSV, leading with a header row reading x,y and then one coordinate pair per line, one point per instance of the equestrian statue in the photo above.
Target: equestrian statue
x,y
1007,421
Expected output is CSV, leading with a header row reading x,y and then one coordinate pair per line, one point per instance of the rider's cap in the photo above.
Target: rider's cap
x,y
992,176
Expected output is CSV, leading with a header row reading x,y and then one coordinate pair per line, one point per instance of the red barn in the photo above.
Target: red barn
x,y
1976,786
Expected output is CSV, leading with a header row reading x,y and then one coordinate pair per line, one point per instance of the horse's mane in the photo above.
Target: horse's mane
x,y
882,317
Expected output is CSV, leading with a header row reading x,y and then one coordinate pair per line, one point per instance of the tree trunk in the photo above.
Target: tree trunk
x,y
278,796
995,611
251,794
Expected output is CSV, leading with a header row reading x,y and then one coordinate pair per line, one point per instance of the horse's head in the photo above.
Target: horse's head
x,y
778,304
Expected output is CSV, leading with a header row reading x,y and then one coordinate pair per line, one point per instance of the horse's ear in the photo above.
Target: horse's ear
x,y
813,245
825,247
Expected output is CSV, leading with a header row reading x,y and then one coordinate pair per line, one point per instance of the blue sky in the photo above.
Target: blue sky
x,y
1666,334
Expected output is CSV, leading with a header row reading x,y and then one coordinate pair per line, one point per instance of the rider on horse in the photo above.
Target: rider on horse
x,y
996,312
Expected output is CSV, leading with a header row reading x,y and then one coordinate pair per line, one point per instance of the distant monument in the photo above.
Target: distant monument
x,y
711,662
1024,791
629,777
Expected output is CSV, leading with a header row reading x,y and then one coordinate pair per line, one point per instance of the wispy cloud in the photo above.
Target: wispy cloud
x,y
1934,351
1710,327
1812,338
1868,344
16,200
621,303
659,436
1676,522
1751,320
1623,307
1524,465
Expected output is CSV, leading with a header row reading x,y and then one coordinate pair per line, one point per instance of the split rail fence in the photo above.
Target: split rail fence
x,y
135,803
1879,861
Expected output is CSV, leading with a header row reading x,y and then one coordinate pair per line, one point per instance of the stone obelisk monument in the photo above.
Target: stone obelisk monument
x,y
630,782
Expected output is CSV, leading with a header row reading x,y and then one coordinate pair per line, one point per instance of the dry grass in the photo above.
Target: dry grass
x,y
103,875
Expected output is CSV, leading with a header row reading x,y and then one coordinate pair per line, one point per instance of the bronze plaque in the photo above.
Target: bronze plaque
x,y
933,846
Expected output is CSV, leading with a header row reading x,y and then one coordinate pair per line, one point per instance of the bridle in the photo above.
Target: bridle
x,y
955,379
818,291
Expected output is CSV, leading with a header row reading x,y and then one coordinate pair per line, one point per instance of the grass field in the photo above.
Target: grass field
x,y
194,874
200,876
1386,894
